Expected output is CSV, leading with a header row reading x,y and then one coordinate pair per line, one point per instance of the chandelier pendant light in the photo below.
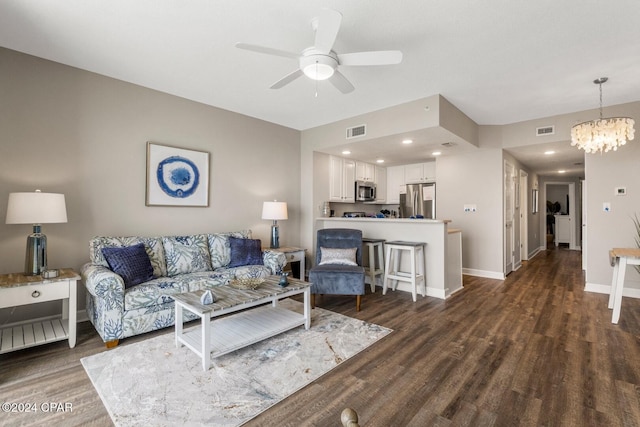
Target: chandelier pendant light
x,y
604,134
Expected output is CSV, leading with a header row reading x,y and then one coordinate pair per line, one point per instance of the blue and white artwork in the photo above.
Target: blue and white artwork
x,y
176,176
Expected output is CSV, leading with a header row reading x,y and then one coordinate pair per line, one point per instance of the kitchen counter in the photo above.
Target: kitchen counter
x,y
400,220
443,254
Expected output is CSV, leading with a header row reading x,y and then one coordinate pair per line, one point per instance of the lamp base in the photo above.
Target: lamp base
x,y
36,257
275,238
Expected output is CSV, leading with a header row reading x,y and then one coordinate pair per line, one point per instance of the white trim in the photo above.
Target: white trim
x,y
606,289
536,251
483,273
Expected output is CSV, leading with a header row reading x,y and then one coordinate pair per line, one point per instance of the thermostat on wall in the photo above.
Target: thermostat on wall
x,y
621,191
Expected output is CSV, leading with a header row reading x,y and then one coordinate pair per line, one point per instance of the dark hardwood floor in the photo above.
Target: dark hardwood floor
x,y
534,349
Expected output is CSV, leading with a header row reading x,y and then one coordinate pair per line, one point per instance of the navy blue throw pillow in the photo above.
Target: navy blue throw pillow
x,y
131,263
245,252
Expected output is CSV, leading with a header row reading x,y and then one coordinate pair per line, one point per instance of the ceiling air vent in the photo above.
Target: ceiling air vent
x,y
356,131
546,130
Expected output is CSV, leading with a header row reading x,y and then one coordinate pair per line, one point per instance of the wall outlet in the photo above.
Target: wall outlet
x,y
470,208
606,206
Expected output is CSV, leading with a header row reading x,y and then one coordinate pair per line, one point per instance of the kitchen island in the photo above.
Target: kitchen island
x,y
442,255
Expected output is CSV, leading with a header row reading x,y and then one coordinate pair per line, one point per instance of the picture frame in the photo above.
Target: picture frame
x,y
534,201
176,176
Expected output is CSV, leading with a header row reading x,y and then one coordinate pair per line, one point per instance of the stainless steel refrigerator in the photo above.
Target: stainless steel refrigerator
x,y
419,201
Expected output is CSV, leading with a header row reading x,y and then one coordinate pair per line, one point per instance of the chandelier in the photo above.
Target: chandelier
x,y
603,134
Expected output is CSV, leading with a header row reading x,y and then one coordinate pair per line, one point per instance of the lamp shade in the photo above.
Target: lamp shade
x,y
274,210
36,208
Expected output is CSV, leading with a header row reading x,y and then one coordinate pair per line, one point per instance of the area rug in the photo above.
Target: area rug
x,y
154,383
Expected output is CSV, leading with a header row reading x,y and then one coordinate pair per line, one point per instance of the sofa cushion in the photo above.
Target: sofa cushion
x,y
159,291
131,263
245,252
219,247
344,256
153,246
186,254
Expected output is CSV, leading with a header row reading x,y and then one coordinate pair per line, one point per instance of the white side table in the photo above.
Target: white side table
x,y
292,254
17,289
620,258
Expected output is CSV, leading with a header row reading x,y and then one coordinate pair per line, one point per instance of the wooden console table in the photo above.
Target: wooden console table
x,y
620,258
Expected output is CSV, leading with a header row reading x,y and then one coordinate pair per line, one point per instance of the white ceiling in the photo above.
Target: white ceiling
x,y
499,61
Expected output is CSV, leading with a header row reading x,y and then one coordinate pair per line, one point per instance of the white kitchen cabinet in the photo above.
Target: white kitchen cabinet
x,y
420,172
562,229
365,172
342,179
380,178
395,184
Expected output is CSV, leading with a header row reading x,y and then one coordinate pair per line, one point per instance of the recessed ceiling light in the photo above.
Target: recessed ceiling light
x,y
407,141
436,153
561,171
380,161
549,152
346,152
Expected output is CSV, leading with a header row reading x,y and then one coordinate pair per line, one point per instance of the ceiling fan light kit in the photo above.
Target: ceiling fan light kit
x,y
320,62
318,66
604,134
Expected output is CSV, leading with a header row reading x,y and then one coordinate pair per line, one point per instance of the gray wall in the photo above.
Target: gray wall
x,y
474,178
74,132
614,229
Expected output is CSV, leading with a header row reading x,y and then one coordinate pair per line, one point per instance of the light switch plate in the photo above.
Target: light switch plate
x,y
606,206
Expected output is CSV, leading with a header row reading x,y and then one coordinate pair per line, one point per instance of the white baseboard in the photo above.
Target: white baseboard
x,y
483,273
606,289
535,252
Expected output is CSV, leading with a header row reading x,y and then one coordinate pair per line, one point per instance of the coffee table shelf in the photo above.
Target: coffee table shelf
x,y
240,330
253,318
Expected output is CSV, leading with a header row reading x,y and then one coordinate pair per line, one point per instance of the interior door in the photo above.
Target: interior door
x,y
524,216
509,192
583,243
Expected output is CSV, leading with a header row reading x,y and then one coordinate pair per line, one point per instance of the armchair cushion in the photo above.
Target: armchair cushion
x,y
131,263
245,252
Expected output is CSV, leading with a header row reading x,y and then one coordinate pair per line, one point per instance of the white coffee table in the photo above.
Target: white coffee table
x,y
221,336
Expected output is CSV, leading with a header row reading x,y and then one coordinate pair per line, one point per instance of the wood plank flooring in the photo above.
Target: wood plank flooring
x,y
532,350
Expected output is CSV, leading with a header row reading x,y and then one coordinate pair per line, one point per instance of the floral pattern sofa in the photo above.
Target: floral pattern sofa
x,y
180,264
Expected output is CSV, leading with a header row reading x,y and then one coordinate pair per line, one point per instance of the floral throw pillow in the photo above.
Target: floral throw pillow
x,y
186,254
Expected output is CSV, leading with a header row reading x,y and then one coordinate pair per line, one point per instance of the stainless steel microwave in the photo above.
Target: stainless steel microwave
x,y
365,191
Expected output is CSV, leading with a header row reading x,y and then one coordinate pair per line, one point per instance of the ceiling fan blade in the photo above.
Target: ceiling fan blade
x,y
341,83
267,50
287,79
380,57
327,25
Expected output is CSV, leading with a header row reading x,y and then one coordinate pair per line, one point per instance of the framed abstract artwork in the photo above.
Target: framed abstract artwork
x,y
176,176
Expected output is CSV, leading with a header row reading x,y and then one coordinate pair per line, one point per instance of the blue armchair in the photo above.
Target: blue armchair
x,y
338,268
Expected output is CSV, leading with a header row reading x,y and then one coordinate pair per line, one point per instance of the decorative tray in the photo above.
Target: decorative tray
x,y
248,283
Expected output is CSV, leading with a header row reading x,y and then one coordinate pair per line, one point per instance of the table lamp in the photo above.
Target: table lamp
x,y
274,210
36,208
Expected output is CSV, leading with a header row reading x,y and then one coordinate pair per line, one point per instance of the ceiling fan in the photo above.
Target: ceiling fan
x,y
320,62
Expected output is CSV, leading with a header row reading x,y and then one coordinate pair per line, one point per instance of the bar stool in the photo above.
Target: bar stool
x,y
394,250
375,248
